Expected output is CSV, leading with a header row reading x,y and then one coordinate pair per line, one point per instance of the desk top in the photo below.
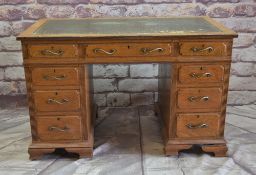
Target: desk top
x,y
123,27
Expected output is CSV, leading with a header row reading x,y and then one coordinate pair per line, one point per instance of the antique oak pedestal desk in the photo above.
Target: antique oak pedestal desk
x,y
194,56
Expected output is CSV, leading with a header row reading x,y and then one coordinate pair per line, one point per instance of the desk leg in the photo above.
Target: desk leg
x,y
173,150
36,153
218,150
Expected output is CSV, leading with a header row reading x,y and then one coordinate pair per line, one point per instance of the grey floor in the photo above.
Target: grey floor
x,y
128,141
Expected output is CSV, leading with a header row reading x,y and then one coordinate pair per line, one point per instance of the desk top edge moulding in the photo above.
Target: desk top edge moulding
x,y
126,27
194,56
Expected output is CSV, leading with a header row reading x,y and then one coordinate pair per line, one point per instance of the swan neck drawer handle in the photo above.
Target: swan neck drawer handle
x,y
110,52
54,128
57,77
47,52
146,51
60,102
197,99
191,126
209,49
200,75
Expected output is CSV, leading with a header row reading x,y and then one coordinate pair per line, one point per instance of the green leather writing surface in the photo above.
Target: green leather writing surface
x,y
130,26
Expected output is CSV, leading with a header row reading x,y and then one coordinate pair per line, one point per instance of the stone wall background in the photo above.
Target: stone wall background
x,y
124,85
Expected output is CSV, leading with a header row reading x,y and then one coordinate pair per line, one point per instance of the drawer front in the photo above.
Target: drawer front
x,y
199,98
204,49
53,51
64,100
55,76
201,74
124,50
59,128
198,125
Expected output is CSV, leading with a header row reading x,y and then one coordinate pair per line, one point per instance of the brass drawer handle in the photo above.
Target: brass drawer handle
x,y
199,98
57,77
110,52
195,49
47,52
60,102
199,75
191,126
146,51
54,128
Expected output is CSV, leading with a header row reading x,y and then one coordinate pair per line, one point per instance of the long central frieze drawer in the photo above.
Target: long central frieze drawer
x,y
128,49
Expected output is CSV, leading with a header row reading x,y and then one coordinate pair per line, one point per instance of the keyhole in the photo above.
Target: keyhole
x,y
56,93
58,118
197,116
201,68
54,70
128,47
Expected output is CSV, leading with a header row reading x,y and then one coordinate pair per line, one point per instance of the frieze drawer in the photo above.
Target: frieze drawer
x,y
204,49
59,128
201,74
124,50
55,76
198,125
53,51
199,98
59,100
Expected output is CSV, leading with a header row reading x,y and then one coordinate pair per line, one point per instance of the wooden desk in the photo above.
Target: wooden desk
x,y
194,55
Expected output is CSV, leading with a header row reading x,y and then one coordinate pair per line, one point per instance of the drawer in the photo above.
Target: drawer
x,y
124,50
59,128
60,100
201,74
199,98
53,51
55,76
198,125
204,49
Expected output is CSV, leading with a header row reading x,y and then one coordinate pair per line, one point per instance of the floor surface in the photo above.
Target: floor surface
x,y
128,142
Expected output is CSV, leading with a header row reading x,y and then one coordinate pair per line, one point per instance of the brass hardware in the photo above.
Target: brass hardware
x,y
191,126
110,52
57,77
52,52
199,98
146,51
199,75
60,102
52,128
209,49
